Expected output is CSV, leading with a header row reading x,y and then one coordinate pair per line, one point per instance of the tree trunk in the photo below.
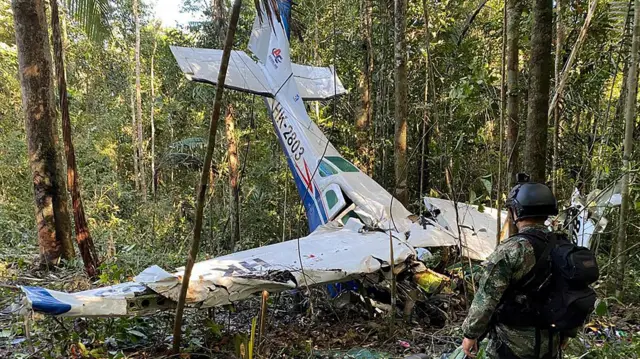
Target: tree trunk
x,y
83,236
143,179
401,97
627,163
154,183
573,55
213,126
234,190
503,95
219,18
134,141
364,118
34,60
425,138
514,11
539,80
556,109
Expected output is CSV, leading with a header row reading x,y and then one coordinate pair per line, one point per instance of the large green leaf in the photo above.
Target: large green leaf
x,y
92,15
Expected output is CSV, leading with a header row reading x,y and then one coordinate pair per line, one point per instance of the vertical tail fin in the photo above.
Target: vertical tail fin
x,y
273,22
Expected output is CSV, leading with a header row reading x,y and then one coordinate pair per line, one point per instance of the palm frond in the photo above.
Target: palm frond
x,y
269,6
93,16
190,143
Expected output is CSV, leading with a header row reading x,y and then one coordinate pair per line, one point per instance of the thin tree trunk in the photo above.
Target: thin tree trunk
x,y
213,126
219,18
572,56
83,236
426,139
143,179
503,95
401,97
234,190
134,141
539,81
364,118
151,115
61,199
556,109
36,80
514,11
627,163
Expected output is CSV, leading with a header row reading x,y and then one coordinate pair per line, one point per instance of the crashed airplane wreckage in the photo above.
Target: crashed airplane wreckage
x,y
352,219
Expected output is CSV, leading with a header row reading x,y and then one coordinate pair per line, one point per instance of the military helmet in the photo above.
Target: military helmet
x,y
531,199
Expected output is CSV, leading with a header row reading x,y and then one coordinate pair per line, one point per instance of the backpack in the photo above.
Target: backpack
x,y
556,294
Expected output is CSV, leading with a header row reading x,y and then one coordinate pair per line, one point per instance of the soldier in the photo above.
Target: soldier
x,y
529,205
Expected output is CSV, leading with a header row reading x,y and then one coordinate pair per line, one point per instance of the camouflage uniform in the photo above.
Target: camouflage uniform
x,y
513,259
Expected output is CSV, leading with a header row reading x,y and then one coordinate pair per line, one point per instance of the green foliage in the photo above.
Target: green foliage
x,y
463,113
92,16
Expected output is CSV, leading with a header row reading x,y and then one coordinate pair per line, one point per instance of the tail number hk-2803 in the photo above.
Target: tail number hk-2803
x,y
289,136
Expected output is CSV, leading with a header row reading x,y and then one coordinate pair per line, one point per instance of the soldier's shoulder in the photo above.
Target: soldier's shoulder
x,y
517,241
516,246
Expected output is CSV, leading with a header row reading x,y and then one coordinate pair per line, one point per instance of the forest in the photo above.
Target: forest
x,y
109,163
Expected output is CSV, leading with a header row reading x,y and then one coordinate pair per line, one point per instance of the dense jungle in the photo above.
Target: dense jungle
x,y
103,152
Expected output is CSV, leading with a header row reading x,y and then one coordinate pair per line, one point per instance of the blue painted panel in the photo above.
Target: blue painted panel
x,y
42,301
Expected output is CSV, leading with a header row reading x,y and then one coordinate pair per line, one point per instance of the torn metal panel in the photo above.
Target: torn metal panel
x,y
477,229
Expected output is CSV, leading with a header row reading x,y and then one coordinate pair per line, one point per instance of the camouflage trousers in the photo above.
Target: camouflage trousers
x,y
519,343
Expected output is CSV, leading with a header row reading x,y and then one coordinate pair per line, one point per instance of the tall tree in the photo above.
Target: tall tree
x,y
535,154
514,11
627,164
234,190
219,20
83,236
134,140
556,109
140,137
153,110
401,92
220,26
365,112
426,139
34,63
204,177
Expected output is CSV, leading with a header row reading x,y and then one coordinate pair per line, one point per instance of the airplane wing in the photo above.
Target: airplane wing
x,y
317,83
203,65
328,256
245,75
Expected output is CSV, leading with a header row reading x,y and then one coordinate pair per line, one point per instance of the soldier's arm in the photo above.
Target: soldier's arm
x,y
508,263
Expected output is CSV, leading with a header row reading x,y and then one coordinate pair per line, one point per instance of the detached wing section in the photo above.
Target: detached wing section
x,y
328,256
317,83
245,75
203,65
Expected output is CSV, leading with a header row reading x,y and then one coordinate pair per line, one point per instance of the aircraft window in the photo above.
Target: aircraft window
x,y
332,198
325,169
351,214
342,164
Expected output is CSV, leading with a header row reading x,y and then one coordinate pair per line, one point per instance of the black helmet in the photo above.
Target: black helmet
x,y
531,199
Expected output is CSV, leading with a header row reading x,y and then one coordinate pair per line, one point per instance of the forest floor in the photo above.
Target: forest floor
x,y
335,328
